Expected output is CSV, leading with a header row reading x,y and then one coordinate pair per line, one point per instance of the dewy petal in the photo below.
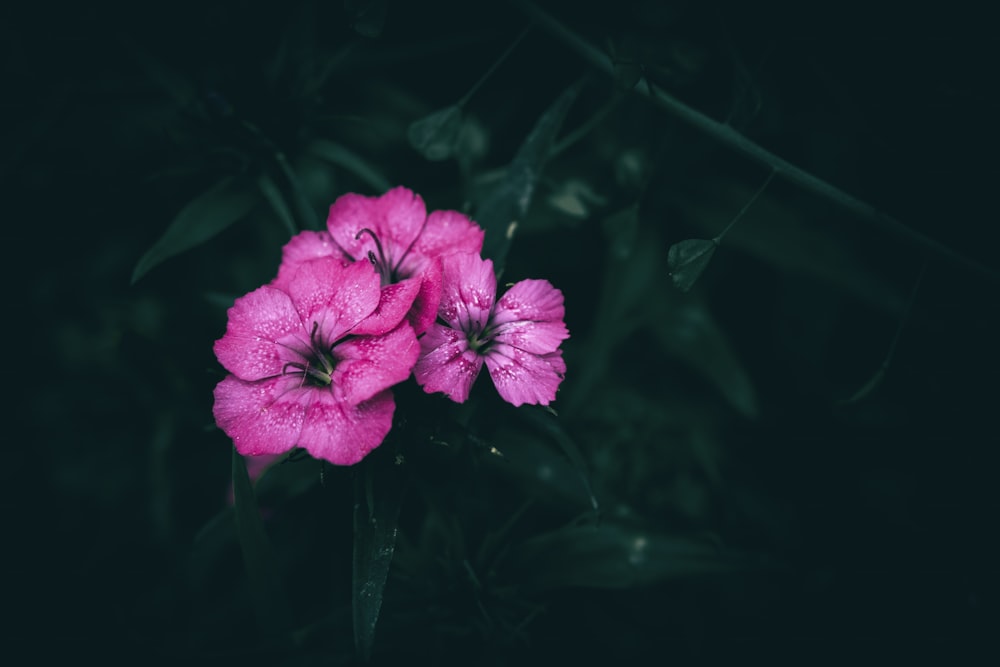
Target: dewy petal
x,y
394,303
263,417
301,248
468,287
521,377
333,295
343,434
367,365
449,232
532,300
533,337
424,310
396,218
257,321
446,363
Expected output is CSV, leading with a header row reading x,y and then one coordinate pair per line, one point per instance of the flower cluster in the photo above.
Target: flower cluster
x,y
386,291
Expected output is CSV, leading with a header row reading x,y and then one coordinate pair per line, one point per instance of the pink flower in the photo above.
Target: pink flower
x,y
300,374
518,337
404,244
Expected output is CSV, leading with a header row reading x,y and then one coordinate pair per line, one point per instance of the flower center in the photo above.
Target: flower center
x,y
318,363
479,341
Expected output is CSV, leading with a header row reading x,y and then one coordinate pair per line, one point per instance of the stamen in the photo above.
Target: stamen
x,y
410,247
378,245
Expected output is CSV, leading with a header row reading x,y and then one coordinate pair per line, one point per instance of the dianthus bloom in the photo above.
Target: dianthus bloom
x,y
517,337
300,373
395,234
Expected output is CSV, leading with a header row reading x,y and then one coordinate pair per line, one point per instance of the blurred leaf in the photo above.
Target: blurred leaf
x,y
276,200
436,136
688,259
367,16
688,333
179,88
339,156
508,202
609,556
378,493
547,475
266,589
867,388
780,234
549,425
622,229
201,219
574,197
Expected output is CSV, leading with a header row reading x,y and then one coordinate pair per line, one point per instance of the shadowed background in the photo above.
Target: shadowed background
x,y
781,521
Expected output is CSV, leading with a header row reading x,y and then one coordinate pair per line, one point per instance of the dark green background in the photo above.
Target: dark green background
x,y
865,531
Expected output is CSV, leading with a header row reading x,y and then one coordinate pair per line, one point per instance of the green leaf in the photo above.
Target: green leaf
x,y
508,203
687,331
379,485
276,200
550,426
436,136
201,219
688,259
267,591
867,388
339,156
609,556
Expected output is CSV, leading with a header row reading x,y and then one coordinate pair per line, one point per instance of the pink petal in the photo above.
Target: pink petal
x,y
257,465
367,365
301,248
534,300
446,363
343,434
468,287
521,377
396,218
449,232
333,295
257,321
533,337
262,417
424,310
395,301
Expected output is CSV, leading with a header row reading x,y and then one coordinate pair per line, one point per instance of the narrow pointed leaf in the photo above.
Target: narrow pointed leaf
x,y
610,556
378,494
272,194
688,259
549,425
267,591
688,332
508,202
436,136
201,219
340,156
867,388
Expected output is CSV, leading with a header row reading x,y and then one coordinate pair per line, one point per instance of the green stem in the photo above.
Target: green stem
x,y
738,142
510,49
746,207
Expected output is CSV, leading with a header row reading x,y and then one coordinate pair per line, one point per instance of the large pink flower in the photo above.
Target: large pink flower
x,y
300,373
396,235
518,337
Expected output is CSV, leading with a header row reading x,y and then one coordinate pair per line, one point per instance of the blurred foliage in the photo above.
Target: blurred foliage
x,y
700,493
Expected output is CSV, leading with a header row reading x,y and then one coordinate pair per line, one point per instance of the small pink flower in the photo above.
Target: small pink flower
x,y
518,337
396,235
300,374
